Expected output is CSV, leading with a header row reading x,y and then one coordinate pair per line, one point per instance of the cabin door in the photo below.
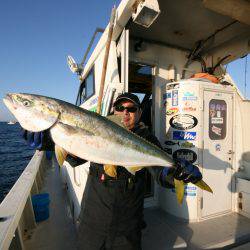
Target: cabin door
x,y
217,153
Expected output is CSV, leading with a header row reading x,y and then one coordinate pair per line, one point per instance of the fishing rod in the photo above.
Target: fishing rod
x,y
105,61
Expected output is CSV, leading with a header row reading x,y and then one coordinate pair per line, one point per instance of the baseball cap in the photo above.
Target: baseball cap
x,y
127,96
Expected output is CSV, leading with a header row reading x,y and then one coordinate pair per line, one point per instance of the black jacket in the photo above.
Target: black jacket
x,y
113,208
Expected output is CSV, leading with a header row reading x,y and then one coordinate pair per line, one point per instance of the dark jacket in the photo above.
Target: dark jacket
x,y
112,207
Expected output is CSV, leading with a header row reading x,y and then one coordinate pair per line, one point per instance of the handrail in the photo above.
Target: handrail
x,y
12,206
97,30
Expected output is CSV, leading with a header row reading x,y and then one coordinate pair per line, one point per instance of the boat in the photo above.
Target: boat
x,y
173,54
11,122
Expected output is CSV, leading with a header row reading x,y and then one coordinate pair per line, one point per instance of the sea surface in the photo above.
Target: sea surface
x,y
15,154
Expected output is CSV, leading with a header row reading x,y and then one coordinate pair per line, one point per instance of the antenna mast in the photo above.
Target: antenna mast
x,y
245,86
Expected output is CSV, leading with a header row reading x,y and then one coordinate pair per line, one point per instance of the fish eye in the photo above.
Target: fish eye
x,y
26,103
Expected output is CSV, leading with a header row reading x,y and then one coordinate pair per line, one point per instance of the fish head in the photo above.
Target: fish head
x,y
34,113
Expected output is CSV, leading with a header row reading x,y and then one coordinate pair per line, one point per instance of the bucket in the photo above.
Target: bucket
x,y
40,204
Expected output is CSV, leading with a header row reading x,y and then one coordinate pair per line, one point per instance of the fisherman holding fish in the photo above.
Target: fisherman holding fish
x,y
112,205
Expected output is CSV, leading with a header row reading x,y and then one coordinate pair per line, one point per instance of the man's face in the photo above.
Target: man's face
x,y
129,119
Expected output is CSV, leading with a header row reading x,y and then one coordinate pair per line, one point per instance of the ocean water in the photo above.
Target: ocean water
x,y
15,154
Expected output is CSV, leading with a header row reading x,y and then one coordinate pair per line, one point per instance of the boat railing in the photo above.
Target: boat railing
x,y
16,210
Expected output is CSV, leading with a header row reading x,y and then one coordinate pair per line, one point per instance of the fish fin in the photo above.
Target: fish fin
x,y
110,170
179,190
73,130
203,185
133,169
60,154
116,119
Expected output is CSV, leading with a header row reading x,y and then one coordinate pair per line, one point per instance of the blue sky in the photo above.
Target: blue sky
x,y
37,36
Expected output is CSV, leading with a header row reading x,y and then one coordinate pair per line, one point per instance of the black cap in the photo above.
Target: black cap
x,y
127,96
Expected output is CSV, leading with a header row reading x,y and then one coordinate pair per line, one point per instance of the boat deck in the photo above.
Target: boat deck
x,y
58,232
166,232
163,231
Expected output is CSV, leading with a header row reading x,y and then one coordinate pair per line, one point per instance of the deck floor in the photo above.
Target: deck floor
x,y
166,232
58,232
163,231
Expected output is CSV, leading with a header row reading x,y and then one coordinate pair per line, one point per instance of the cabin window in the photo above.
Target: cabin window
x,y
217,119
87,88
89,84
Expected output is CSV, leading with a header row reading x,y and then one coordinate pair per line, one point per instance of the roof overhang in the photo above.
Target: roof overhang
x,y
183,24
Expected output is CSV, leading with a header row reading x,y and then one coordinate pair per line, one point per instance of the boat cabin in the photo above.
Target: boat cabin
x,y
172,54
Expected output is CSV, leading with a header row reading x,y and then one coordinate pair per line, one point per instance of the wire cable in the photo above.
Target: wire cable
x,y
245,82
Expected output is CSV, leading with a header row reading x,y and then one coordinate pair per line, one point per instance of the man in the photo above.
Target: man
x,y
112,207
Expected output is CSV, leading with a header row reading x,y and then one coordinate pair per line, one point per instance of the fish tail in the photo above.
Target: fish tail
x,y
179,190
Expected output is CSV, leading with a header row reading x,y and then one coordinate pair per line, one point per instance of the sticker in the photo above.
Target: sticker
x,y
187,93
175,98
189,96
172,111
189,106
93,109
168,150
189,109
183,122
167,95
217,120
186,154
217,147
181,135
93,101
216,130
171,143
188,190
187,144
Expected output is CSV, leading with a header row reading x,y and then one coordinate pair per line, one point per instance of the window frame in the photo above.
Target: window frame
x,y
83,85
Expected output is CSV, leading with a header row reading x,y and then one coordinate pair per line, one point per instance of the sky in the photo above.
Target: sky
x,y
36,37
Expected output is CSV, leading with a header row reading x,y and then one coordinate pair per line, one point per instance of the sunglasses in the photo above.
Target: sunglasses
x,y
129,109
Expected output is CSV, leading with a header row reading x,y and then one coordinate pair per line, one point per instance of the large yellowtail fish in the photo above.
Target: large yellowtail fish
x,y
85,134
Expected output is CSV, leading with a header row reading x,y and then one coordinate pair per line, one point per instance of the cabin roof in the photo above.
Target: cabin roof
x,y
183,23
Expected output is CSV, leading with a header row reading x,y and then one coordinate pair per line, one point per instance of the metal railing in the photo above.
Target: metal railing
x,y
16,210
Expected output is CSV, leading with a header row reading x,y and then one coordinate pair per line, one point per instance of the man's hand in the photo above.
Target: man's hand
x,y
186,171
34,139
183,170
38,140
